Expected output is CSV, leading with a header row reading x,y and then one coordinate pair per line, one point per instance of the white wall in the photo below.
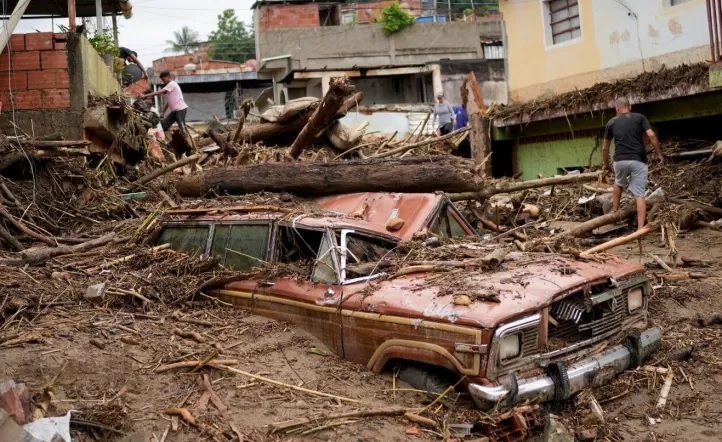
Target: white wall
x,y
648,28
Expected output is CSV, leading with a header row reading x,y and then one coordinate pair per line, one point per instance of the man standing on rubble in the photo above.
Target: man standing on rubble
x,y
445,113
627,130
174,101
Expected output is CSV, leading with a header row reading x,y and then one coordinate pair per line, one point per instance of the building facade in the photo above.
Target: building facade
x,y
302,44
561,49
557,45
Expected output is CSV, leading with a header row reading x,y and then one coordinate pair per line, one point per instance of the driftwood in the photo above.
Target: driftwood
x,y
408,147
193,364
36,256
587,226
287,425
707,208
622,240
325,113
10,239
53,144
478,122
350,103
160,172
512,186
495,258
24,229
413,175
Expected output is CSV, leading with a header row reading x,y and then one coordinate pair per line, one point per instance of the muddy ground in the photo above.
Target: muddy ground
x,y
117,387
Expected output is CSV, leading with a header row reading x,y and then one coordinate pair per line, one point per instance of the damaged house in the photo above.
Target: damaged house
x,y
302,44
54,86
569,59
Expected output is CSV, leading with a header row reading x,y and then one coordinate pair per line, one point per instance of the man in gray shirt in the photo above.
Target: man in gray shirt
x,y
445,113
627,130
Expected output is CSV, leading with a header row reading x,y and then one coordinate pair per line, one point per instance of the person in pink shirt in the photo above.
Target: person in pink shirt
x,y
173,101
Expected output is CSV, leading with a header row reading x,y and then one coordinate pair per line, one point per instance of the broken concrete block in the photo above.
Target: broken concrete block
x,y
15,400
95,292
555,431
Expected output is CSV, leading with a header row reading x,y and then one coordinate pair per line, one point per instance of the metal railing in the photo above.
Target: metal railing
x,y
714,21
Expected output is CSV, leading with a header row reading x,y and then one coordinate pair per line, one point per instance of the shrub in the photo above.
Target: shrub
x,y
394,19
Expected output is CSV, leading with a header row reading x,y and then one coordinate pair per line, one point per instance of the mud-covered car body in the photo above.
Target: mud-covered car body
x,y
560,324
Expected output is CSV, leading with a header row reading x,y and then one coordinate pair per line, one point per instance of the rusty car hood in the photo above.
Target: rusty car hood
x,y
524,283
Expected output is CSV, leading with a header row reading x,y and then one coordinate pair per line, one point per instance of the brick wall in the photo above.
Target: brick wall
x,y
35,71
288,16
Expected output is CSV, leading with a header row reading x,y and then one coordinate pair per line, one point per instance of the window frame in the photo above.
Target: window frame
x,y
549,34
269,239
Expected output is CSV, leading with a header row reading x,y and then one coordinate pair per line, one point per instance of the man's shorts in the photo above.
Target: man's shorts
x,y
632,174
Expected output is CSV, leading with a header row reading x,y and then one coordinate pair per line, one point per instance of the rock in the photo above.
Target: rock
x,y
555,431
15,400
413,431
394,224
587,435
95,293
462,300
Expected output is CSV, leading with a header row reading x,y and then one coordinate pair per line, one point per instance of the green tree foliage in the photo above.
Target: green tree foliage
x,y
185,40
231,40
394,19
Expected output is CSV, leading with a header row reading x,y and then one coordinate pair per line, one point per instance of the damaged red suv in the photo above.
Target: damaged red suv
x,y
556,325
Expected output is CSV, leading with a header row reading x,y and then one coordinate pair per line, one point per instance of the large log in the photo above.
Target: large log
x,y
325,113
270,132
518,186
413,174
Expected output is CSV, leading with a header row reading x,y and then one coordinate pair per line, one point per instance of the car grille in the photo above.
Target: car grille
x,y
577,320
529,344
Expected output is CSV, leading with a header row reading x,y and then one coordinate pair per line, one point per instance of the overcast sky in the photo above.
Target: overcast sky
x,y
154,21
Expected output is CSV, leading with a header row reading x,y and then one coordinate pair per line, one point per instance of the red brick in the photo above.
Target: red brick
x,y
21,61
28,100
45,79
54,60
63,79
59,40
17,42
39,41
15,400
17,81
56,99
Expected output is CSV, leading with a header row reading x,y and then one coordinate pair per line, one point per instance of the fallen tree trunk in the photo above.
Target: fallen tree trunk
x,y
349,104
587,226
339,89
40,255
269,132
512,186
160,172
412,175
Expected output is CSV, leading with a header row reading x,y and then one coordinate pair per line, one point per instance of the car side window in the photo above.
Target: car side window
x,y
241,246
363,254
324,269
445,225
309,251
188,239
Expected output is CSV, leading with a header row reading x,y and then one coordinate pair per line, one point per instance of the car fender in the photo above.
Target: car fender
x,y
417,351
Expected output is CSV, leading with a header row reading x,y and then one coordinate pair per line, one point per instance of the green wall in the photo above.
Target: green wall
x,y
546,157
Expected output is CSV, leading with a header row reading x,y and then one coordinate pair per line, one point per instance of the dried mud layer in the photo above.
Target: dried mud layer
x,y
117,387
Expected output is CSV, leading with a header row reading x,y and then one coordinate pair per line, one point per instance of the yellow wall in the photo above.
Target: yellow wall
x,y
619,39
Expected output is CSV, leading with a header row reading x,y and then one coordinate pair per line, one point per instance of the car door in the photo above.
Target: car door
x,y
312,302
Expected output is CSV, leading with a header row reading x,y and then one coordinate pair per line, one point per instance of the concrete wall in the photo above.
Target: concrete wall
x,y
489,74
618,40
89,75
366,46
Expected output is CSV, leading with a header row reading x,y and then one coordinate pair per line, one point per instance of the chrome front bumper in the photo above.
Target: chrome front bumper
x,y
564,382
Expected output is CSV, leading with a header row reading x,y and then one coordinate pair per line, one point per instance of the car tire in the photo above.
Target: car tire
x,y
426,377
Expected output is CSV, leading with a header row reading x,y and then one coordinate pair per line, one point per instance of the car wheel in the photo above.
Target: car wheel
x,y
428,378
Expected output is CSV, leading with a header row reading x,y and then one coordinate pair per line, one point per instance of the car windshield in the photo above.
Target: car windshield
x,y
363,254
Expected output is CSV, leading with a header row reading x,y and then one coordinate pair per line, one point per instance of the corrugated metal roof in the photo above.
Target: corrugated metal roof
x,y
59,8
211,78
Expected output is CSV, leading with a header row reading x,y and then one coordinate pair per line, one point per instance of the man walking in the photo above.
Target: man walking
x,y
445,113
627,130
174,101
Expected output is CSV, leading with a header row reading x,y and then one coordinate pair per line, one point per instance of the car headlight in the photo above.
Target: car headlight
x,y
635,299
510,347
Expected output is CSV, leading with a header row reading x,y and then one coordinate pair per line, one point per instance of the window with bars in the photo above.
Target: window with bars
x,y
564,20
